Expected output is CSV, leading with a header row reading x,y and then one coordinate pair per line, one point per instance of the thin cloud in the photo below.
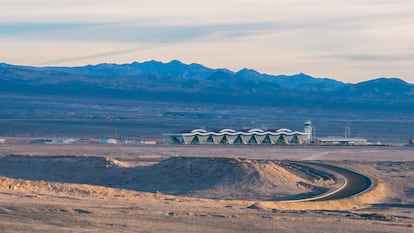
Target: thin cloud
x,y
95,56
126,32
358,57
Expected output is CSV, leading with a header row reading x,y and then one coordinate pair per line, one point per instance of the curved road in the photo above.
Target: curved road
x,y
355,183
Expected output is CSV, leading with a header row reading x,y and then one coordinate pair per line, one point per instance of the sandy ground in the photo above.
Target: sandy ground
x,y
129,189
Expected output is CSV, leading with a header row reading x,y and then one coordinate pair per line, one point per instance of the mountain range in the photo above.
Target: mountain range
x,y
195,83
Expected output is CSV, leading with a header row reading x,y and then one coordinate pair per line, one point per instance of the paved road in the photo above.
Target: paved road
x,y
355,182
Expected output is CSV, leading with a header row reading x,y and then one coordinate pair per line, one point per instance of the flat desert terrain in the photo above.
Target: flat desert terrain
x,y
172,188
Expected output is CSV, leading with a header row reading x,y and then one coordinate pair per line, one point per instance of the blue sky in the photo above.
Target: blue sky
x,y
347,40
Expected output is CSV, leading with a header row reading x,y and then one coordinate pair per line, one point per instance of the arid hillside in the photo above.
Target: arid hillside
x,y
139,189
217,178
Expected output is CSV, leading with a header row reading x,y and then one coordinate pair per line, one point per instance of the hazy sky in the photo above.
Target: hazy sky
x,y
348,40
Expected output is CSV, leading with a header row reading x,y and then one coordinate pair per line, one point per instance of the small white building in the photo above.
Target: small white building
x,y
70,140
342,141
108,141
148,142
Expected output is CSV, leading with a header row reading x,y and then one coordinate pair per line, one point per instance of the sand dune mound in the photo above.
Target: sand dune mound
x,y
72,169
222,178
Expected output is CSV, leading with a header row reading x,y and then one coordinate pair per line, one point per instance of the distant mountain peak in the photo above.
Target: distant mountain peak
x,y
151,62
175,62
303,75
380,88
247,70
385,83
248,73
387,80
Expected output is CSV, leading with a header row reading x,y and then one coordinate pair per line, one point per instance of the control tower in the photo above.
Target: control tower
x,y
308,130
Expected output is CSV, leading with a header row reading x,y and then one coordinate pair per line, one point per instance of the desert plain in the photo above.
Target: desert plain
x,y
183,188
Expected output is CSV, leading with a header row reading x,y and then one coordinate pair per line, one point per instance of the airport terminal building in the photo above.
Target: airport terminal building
x,y
244,136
